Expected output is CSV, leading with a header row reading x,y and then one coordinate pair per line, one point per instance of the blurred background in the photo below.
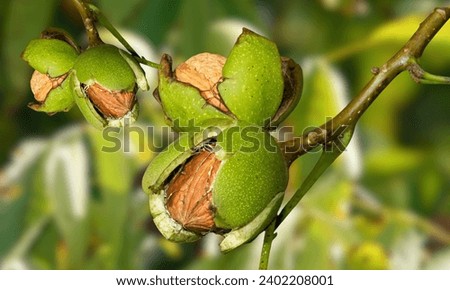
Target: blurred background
x,y
385,204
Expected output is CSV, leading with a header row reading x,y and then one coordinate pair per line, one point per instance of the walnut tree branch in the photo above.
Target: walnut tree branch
x,y
404,60
88,21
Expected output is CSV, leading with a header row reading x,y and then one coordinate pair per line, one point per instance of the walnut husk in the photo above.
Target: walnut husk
x,y
293,85
41,85
189,193
204,71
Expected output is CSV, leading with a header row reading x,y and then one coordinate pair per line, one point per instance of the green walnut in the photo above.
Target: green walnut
x,y
106,80
254,84
52,57
228,179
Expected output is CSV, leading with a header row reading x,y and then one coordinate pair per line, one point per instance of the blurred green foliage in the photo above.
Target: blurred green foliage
x,y
385,204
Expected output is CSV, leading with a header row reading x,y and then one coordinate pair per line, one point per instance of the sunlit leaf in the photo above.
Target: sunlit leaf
x,y
114,172
392,160
66,184
399,30
15,190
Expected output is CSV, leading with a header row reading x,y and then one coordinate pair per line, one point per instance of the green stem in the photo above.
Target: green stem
x,y
419,75
108,25
88,22
147,62
269,236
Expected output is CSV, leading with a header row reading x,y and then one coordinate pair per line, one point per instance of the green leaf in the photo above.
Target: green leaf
x,y
331,195
399,30
318,241
155,19
114,173
430,190
119,10
400,160
25,20
15,180
66,184
16,258
195,16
